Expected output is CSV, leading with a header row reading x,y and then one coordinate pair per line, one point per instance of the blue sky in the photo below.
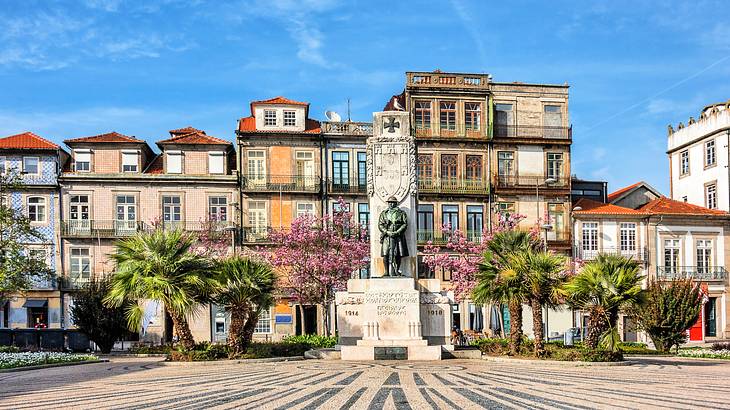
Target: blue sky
x,y
77,68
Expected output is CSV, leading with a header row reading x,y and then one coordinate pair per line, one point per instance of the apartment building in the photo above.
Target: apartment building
x,y
698,158
670,239
38,163
116,185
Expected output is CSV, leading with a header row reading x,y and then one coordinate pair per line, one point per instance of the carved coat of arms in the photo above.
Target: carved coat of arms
x,y
392,161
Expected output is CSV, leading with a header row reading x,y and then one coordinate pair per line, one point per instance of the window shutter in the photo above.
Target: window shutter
x,y
215,163
174,162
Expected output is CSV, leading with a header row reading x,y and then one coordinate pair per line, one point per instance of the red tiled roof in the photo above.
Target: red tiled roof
x,y
666,206
185,130
614,195
108,137
26,140
155,167
248,124
591,207
194,138
279,100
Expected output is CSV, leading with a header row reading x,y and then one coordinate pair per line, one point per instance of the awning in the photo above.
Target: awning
x,y
35,303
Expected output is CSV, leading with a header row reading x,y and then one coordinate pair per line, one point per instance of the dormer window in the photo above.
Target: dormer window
x,y
82,160
269,118
290,118
130,161
216,162
174,162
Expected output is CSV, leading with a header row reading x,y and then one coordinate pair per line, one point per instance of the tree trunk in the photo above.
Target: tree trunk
x,y
515,327
249,328
301,319
182,330
235,331
538,328
597,325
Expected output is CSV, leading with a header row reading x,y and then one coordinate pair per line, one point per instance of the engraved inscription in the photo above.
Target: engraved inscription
x,y
391,298
391,310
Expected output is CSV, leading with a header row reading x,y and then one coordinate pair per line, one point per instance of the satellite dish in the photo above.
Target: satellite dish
x,y
332,116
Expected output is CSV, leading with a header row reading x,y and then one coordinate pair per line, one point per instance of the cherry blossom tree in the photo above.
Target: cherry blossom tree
x,y
317,255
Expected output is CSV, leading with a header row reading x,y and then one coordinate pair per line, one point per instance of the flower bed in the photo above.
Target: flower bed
x,y
705,353
553,351
12,360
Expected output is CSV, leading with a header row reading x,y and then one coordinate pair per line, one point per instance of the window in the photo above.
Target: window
x,y
556,217
305,208
627,237
174,162
37,209
290,118
504,121
684,162
424,215
256,166
341,168
218,208
363,215
257,216
423,115
30,165
447,114
711,196
450,216
336,207
216,162
126,208
449,169
171,210
472,116
39,255
264,323
82,160
704,256
555,165
590,239
80,265
129,161
553,116
505,163
505,207
474,167
362,170
710,157
424,270
425,169
671,256
474,222
305,169
269,118
79,213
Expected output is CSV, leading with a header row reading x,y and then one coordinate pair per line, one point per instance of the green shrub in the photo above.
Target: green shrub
x,y
314,341
720,346
142,349
204,351
600,355
9,349
492,346
264,350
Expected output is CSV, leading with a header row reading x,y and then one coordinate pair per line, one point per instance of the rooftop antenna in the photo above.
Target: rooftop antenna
x,y
348,109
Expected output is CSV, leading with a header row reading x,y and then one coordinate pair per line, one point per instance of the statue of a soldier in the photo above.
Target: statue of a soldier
x,y
392,223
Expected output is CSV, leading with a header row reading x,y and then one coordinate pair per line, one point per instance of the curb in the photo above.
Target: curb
x,y
123,355
234,361
558,363
51,365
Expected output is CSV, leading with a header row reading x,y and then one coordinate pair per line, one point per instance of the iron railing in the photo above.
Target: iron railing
x,y
438,237
459,131
282,183
73,283
346,188
698,273
92,228
531,181
447,80
347,128
557,235
637,254
453,186
532,131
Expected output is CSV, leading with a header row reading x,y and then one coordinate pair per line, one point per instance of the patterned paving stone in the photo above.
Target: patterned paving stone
x,y
145,383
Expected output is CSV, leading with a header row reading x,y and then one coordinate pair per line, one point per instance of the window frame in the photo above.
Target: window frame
x,y
422,113
43,205
80,258
710,153
180,162
684,167
556,163
172,208
37,165
216,208
711,195
447,115
263,324
703,251
268,119
213,158
126,155
472,116
628,238
589,237
292,120
85,153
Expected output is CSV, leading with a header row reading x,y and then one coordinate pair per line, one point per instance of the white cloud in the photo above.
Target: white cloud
x,y
106,5
472,27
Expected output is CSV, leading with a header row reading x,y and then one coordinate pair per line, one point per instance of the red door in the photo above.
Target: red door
x,y
695,332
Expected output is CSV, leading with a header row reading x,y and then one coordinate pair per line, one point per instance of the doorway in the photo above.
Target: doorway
x,y
310,320
630,334
711,318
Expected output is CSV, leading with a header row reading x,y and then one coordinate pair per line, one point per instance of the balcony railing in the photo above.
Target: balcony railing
x,y
638,254
453,186
73,282
346,188
347,128
698,273
459,131
282,183
558,235
532,131
447,80
437,237
89,228
531,181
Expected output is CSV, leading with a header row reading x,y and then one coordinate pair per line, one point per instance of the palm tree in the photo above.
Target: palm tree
x,y
501,280
246,288
545,278
159,265
603,288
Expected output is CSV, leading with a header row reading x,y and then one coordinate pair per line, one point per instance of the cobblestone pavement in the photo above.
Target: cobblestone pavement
x,y
145,383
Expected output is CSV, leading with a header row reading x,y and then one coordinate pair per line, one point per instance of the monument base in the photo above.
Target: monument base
x,y
419,351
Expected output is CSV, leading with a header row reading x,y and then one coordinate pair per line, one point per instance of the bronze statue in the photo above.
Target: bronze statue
x,y
392,223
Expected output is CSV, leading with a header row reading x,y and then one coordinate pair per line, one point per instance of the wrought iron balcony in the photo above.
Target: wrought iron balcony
x,y
532,131
698,273
453,186
347,128
91,228
73,282
438,237
531,181
282,183
349,187
457,132
256,234
637,254
559,235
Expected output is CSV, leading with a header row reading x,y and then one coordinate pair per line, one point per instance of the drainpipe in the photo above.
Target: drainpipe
x,y
656,247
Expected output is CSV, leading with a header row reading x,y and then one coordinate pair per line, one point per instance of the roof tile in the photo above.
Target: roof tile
x,y
616,194
26,140
591,207
248,124
108,137
667,206
193,138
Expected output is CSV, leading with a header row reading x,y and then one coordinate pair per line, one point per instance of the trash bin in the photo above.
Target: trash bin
x,y
568,337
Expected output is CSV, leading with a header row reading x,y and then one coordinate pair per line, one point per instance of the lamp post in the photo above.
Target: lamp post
x,y
547,227
232,229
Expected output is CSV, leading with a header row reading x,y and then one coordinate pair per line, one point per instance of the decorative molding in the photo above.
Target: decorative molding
x,y
431,298
372,141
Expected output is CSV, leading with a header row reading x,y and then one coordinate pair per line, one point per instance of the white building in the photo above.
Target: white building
x,y
698,158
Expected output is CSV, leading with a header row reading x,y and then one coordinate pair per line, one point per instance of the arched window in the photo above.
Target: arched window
x,y
37,209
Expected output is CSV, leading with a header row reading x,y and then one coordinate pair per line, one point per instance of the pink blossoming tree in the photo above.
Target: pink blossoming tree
x,y
318,255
